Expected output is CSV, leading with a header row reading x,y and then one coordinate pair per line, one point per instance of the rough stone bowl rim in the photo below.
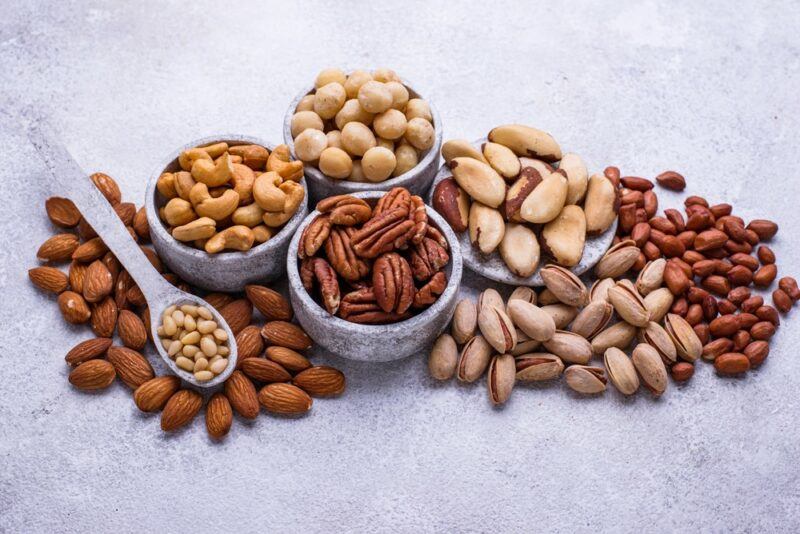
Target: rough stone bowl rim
x,y
450,292
347,187
231,257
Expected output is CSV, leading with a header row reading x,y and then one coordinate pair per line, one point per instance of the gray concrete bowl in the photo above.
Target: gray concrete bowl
x,y
226,271
494,268
417,180
375,343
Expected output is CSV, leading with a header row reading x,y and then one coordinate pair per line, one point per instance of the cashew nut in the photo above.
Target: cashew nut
x,y
243,179
201,228
183,184
262,233
216,208
178,212
254,156
233,238
295,194
187,158
213,174
280,161
267,194
249,215
166,185
215,150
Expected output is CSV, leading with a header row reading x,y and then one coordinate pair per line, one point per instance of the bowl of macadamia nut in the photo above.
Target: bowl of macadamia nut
x,y
223,209
363,131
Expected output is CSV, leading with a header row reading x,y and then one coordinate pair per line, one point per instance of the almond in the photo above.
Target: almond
x,y
98,282
131,366
242,394
321,381
286,334
263,370
272,305
104,317
135,296
60,247
85,230
152,395
77,274
89,251
140,224
125,211
131,330
249,343
92,375
237,314
153,258
48,279
87,350
282,398
108,187
62,212
291,360
180,409
218,300
219,416
73,307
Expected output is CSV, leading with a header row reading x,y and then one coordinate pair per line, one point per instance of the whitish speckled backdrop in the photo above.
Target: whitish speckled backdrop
x,y
708,88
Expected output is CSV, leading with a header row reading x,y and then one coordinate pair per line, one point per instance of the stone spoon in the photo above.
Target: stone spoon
x,y
159,293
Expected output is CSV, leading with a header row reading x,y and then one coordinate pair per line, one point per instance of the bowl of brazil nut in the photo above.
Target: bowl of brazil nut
x,y
517,204
374,276
222,210
363,131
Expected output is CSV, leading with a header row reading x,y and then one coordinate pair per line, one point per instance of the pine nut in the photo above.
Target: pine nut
x,y
189,323
208,346
170,328
220,334
160,331
218,366
184,363
190,350
169,310
223,351
204,376
189,309
200,364
206,327
174,347
192,338
166,343
178,317
203,312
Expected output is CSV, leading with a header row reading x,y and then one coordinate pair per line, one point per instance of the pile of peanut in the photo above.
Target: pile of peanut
x,y
230,197
362,127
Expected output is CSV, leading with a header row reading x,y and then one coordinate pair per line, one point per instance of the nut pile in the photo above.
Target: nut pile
x,y
230,197
98,291
362,127
388,255
192,338
511,198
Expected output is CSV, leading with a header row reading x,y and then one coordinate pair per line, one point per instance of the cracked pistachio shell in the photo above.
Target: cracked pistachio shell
x,y
621,371
497,328
531,319
562,314
577,177
546,297
520,249
658,338
524,344
570,347
486,227
526,141
687,344
460,148
617,260
651,277
628,303
501,377
523,293
538,366
564,237
474,359
567,287
465,320
601,204
650,368
585,379
592,319
479,180
658,303
599,290
443,358
490,297
546,201
619,335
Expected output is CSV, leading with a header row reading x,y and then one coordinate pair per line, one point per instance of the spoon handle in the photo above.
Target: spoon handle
x,y
97,211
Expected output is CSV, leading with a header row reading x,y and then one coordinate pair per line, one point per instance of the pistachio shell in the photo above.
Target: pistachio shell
x,y
585,379
443,358
569,347
651,277
619,335
687,344
658,338
490,297
599,290
523,293
650,368
538,366
501,376
617,260
564,237
473,359
658,303
524,344
465,319
497,328
567,287
628,303
592,319
562,314
621,371
532,320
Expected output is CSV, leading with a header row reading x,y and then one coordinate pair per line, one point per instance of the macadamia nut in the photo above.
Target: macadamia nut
x,y
391,124
303,120
352,112
378,164
419,133
329,99
357,138
335,162
355,81
357,174
418,108
334,138
306,103
329,76
399,95
309,145
375,97
407,159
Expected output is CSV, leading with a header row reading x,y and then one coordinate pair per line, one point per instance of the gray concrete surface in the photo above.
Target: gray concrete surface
x,y
709,89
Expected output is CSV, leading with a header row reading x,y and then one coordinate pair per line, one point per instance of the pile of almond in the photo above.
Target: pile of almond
x,y
96,290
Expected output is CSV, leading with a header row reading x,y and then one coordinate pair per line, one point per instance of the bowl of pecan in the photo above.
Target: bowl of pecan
x,y
374,276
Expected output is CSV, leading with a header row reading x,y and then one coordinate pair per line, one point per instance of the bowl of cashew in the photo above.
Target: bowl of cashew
x,y
217,219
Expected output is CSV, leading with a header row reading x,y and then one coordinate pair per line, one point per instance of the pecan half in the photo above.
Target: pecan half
x,y
419,216
383,233
360,306
319,270
307,273
427,259
392,283
397,197
427,294
313,236
436,235
343,258
345,210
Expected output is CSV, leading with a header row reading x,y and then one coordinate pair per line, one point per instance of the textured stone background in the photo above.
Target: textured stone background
x,y
709,89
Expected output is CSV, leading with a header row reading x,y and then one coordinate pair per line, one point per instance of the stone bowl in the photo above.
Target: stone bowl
x,y
375,343
226,271
494,268
417,180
